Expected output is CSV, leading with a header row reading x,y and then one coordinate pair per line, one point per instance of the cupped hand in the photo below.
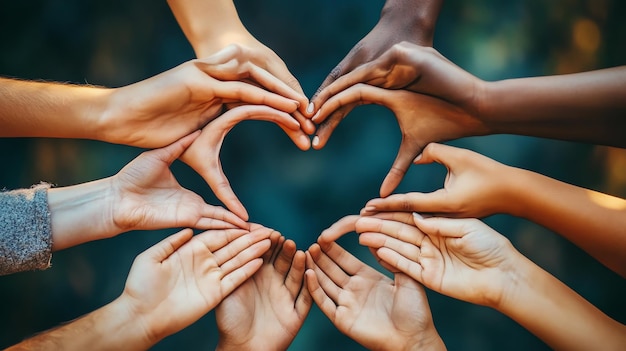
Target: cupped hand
x,y
160,110
400,21
147,196
422,120
256,64
180,279
203,154
475,186
270,307
460,258
377,312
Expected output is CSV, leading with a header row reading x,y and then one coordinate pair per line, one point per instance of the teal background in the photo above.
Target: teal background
x,y
115,42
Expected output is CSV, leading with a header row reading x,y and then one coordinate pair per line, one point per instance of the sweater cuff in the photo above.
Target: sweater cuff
x,y
25,230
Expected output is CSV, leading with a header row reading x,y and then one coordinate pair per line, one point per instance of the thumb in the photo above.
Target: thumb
x,y
440,153
173,151
343,226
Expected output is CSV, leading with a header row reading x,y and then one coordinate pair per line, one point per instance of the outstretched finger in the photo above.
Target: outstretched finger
x,y
407,203
338,229
220,214
284,258
164,248
411,268
322,300
406,154
448,227
295,277
401,231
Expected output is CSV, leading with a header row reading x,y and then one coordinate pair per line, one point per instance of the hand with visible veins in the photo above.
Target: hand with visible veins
x,y
422,119
203,154
400,21
377,312
270,307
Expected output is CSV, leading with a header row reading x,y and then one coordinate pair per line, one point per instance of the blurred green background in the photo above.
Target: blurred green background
x,y
118,42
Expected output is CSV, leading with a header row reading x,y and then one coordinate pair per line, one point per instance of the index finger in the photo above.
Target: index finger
x,y
361,74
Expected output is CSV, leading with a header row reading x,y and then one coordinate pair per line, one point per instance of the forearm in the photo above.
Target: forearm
x,y
419,15
43,109
111,327
586,107
81,213
209,25
556,314
593,221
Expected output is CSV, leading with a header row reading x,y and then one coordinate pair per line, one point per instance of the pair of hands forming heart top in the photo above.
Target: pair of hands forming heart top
x,y
398,80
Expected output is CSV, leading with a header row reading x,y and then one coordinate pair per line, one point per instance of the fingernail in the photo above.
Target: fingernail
x,y
316,141
297,103
310,108
419,157
417,216
305,140
369,209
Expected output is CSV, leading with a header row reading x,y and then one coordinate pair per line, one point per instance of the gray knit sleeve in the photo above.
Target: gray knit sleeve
x,y
25,234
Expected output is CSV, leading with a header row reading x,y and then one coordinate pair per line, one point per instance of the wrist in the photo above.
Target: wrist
x,y
224,345
81,213
419,17
516,278
133,328
427,341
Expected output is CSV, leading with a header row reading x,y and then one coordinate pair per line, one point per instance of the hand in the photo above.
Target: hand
x,y
416,68
476,186
162,109
203,154
180,279
460,258
375,311
422,119
255,63
147,196
400,21
269,308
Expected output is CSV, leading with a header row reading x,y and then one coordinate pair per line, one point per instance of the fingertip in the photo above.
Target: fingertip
x,y
304,142
417,159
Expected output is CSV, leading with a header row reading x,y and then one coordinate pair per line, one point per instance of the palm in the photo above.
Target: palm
x,y
268,306
187,282
465,267
150,197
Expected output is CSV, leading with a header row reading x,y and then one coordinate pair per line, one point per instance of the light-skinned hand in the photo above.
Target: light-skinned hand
x,y
177,281
377,312
270,307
